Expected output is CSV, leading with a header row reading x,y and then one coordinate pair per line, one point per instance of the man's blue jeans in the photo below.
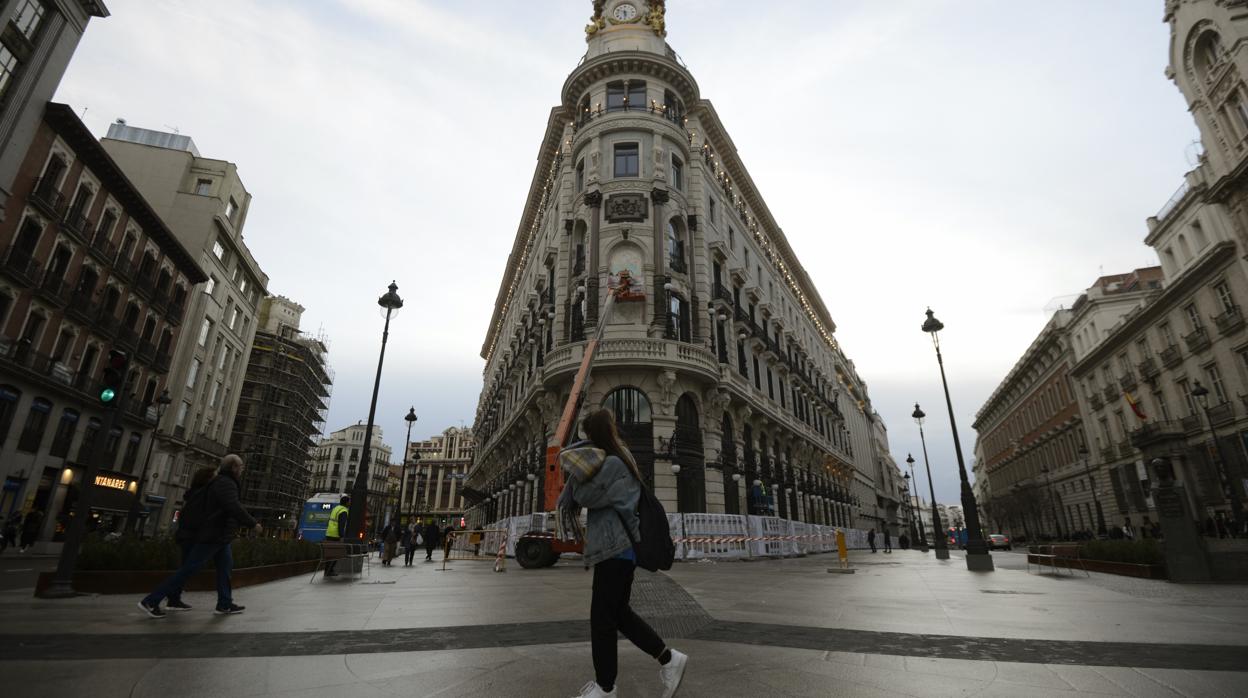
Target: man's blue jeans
x,y
200,554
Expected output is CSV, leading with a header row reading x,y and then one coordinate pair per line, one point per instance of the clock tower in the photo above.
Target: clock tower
x,y
626,25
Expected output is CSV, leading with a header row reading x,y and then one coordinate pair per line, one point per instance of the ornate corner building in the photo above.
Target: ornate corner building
x,y
721,365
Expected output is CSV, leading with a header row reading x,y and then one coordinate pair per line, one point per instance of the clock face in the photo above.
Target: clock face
x,y
625,12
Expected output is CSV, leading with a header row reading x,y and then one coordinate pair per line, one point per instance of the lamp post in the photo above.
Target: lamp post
x,y
132,517
1048,486
910,461
359,491
938,540
1087,469
977,557
1229,488
909,509
410,418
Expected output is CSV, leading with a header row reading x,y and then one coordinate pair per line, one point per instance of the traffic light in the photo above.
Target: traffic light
x,y
114,379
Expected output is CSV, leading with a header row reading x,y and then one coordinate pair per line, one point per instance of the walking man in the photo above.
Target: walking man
x,y
871,539
409,544
888,541
336,527
212,541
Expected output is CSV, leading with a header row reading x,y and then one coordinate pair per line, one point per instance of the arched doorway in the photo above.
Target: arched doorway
x,y
728,462
688,454
632,417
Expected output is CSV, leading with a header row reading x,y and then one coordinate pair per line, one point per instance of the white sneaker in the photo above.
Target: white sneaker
x,y
593,690
672,672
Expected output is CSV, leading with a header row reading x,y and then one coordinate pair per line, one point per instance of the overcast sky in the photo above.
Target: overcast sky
x,y
982,157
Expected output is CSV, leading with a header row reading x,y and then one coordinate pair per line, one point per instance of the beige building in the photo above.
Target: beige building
x,y
334,461
205,203
36,44
722,368
435,478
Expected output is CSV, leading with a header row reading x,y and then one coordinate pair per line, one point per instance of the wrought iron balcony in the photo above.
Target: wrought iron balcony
x,y
146,351
1127,381
1148,368
1191,423
46,197
1125,449
127,337
1110,392
1171,356
76,223
1095,401
21,265
81,306
1196,340
1108,454
101,247
1151,432
106,323
721,294
1230,321
1221,414
54,289
739,315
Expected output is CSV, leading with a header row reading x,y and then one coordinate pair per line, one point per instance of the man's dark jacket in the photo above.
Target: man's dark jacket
x,y
431,535
226,513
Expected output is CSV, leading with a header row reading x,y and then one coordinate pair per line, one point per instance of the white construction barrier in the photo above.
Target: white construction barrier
x,y
718,536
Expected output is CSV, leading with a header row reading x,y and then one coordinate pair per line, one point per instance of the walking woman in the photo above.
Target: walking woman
x,y
603,477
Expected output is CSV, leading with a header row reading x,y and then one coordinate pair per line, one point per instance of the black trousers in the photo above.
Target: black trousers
x,y
330,565
609,614
429,551
408,553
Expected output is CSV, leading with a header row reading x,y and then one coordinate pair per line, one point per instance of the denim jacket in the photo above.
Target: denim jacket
x,y
604,485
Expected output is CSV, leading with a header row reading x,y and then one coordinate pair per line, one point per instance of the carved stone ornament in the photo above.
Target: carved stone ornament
x,y
593,199
626,207
660,196
667,396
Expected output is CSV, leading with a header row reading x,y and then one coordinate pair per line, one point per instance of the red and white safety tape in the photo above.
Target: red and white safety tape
x,y
749,539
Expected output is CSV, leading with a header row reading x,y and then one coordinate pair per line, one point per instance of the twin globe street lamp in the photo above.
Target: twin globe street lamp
x,y
977,557
391,303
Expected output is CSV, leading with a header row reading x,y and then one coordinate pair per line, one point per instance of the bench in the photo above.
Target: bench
x,y
1053,554
334,551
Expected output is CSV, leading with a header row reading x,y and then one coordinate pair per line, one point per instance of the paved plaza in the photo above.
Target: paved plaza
x,y
903,624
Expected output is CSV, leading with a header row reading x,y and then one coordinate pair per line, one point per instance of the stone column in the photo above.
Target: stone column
x,y
659,198
594,200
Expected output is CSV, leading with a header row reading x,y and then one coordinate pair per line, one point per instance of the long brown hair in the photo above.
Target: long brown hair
x,y
599,427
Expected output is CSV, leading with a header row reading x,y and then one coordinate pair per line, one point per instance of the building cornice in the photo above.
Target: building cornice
x,y
629,63
1052,333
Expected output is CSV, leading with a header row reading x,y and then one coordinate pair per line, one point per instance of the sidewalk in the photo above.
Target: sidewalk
x,y
904,624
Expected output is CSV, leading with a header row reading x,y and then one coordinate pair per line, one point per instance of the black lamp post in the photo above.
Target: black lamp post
x,y
938,536
410,418
1229,488
132,517
922,539
909,509
359,491
1100,514
977,557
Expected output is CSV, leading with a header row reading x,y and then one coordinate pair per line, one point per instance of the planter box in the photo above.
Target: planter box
x,y
1126,569
143,581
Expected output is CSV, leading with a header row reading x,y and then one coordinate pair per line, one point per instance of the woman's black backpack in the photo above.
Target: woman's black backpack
x,y
655,551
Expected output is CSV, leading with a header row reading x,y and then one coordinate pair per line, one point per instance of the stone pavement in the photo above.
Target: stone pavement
x,y
904,624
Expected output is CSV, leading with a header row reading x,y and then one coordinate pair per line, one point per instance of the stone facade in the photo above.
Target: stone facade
x,y
87,267
436,470
722,366
334,460
205,204
37,41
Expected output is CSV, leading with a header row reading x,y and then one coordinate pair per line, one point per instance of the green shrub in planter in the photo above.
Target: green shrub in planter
x,y
1146,551
129,553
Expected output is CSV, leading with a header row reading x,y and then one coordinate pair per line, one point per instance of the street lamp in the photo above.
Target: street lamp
x,y
410,418
938,541
1229,489
1100,515
977,557
132,518
390,302
1048,485
922,536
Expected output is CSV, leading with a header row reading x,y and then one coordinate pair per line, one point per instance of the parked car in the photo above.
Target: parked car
x,y
998,541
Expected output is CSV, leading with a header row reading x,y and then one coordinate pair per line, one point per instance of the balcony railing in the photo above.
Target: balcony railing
x,y
1171,356
722,294
127,337
101,247
1196,340
146,351
1127,381
1125,449
1095,401
174,313
54,289
81,306
46,197
1221,414
76,222
1191,423
1147,368
19,263
1110,393
1154,431
161,362
1108,454
207,444
741,316
1230,321
677,264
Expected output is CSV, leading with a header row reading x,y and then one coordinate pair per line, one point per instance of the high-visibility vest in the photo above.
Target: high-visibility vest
x,y
331,531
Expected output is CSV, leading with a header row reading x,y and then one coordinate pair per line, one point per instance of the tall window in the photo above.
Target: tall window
x,y
1224,297
231,209
203,187
1215,382
218,250
204,329
29,17
1167,335
678,318
211,285
1193,316
710,209
8,67
678,173
1186,393
132,452
636,94
616,96
675,248
629,405
36,424
580,174
627,160
89,436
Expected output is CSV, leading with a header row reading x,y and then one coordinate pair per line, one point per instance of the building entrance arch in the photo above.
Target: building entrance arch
x,y
687,452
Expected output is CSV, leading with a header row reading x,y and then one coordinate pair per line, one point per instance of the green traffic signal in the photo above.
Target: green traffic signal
x,y
107,395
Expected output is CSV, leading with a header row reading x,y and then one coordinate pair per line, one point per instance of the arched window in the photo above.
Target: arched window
x,y
1208,53
629,405
1202,240
675,248
1184,248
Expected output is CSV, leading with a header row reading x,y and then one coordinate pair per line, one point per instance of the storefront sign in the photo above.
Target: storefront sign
x,y
117,483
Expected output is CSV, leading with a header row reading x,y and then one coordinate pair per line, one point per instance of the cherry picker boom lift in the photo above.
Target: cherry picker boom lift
x,y
541,548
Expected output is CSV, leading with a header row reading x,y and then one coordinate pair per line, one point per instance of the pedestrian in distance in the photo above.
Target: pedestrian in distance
x,y
431,539
224,515
871,539
30,528
390,541
1128,531
888,541
603,477
409,544
336,527
10,529
184,536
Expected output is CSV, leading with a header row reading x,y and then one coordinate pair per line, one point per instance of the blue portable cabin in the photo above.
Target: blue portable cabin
x,y
315,517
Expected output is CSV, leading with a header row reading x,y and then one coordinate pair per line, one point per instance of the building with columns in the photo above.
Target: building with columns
x,y
437,467
334,461
721,366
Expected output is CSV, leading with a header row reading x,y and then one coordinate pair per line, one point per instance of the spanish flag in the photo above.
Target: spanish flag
x,y
1135,406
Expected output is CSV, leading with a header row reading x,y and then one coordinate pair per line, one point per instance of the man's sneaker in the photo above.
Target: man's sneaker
x,y
672,672
235,608
153,611
593,690
177,606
